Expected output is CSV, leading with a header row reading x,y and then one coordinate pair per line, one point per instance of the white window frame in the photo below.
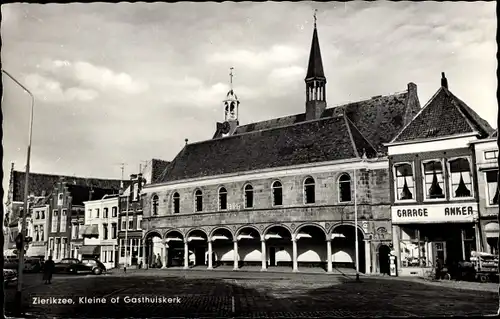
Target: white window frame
x,y
350,188
97,215
114,211
124,220
64,216
60,199
395,183
55,221
486,188
130,219
304,193
139,219
424,189
448,167
495,154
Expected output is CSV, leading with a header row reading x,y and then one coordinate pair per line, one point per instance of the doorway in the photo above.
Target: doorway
x,y
199,256
383,259
272,256
440,256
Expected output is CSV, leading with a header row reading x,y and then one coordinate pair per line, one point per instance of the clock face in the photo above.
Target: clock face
x,y
225,127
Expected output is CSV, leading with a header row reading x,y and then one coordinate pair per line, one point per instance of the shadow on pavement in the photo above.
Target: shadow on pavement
x,y
269,298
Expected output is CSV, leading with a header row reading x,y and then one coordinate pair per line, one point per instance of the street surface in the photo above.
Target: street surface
x,y
196,293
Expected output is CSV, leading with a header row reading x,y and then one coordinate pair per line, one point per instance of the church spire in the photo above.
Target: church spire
x,y
315,79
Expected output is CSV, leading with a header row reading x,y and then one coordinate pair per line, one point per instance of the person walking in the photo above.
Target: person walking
x,y
48,270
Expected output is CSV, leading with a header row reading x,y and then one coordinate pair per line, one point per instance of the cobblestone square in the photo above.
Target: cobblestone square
x,y
251,294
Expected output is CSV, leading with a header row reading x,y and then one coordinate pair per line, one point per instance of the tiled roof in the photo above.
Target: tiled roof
x,y
326,139
494,134
444,115
378,119
82,194
45,183
159,167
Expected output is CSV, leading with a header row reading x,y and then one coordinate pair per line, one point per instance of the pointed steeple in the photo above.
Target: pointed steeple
x,y
315,67
315,80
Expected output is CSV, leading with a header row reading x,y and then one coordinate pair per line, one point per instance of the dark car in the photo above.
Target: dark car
x,y
9,275
74,266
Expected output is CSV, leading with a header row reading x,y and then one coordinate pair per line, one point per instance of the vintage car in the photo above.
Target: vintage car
x,y
75,266
9,275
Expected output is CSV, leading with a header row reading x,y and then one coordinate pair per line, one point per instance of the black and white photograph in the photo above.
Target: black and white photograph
x,y
250,159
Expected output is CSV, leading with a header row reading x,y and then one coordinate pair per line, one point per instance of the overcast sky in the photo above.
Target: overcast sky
x,y
129,82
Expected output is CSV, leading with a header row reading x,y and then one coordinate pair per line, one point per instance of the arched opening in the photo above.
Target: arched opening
x,y
249,247
277,193
222,198
344,247
198,200
176,202
248,196
175,249
344,188
311,247
197,246
383,259
154,250
222,248
279,247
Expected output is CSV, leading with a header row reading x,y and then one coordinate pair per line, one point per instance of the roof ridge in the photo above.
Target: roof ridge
x,y
416,115
367,99
459,108
470,115
68,176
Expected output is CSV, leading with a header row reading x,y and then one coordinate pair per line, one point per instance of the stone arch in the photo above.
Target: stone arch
x,y
346,223
171,230
310,225
238,231
266,229
150,232
212,232
195,229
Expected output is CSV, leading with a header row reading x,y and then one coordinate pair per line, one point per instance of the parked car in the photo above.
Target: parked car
x,y
74,266
9,275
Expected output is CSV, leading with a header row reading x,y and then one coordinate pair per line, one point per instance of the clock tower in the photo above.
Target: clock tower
x,y
231,105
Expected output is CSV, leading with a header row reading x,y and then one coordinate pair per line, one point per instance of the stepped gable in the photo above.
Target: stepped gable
x,y
444,115
327,139
377,119
45,182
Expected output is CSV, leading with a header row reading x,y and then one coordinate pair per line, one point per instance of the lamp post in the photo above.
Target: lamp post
x,y
26,192
356,248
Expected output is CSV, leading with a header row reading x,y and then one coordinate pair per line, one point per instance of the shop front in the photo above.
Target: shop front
x,y
427,236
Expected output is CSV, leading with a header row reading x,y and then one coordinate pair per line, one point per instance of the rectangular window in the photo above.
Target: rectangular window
x,y
113,231
404,181
124,223
41,231
105,229
97,212
460,178
64,248
80,226
131,223
73,231
139,219
51,246
492,185
122,248
433,180
58,248
64,219
490,155
37,234
60,199
105,213
55,221
114,211
136,192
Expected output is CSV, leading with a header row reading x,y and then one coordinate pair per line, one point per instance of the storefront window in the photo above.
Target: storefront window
x,y
434,180
404,181
461,181
492,181
414,252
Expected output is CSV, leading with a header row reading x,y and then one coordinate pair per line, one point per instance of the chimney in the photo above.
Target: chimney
x,y
444,81
412,104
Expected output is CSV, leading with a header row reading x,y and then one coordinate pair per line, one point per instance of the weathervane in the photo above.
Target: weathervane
x,y
231,76
315,11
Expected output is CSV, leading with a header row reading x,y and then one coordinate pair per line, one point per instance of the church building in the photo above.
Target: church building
x,y
284,192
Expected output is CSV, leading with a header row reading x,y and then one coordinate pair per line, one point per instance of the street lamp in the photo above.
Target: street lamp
x,y
25,204
356,248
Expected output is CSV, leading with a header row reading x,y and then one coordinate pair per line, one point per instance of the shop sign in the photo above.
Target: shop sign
x,y
437,213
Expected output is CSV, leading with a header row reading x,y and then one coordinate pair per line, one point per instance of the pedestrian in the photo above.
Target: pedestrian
x,y
140,265
48,270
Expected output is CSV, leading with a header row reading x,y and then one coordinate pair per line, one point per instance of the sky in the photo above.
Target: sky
x,y
128,82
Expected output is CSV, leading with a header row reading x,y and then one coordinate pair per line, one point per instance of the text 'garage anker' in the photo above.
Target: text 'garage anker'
x,y
104,300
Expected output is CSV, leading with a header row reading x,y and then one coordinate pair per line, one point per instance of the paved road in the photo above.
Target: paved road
x,y
265,295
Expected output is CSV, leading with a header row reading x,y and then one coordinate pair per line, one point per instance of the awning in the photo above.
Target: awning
x,y
303,235
90,250
219,237
90,231
491,230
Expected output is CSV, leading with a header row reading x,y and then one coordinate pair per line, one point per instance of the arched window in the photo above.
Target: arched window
x,y
345,188
461,179
404,181
154,206
309,191
434,180
277,194
248,196
222,198
177,202
198,200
